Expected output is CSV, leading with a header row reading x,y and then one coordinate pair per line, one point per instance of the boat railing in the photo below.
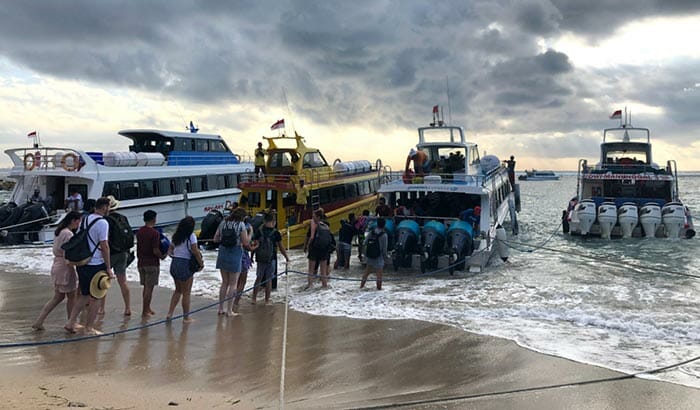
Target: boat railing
x,y
456,178
310,177
47,158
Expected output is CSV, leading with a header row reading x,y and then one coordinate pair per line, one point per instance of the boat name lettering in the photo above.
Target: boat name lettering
x,y
628,176
211,208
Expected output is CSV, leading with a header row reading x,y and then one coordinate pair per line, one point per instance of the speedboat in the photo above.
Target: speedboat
x,y
172,173
535,175
626,194
457,211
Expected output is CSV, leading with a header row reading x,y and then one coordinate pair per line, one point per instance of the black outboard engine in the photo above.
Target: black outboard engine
x,y
433,244
11,236
460,244
210,223
6,211
33,218
407,234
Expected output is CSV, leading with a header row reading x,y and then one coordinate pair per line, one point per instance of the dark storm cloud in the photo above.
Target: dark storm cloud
x,y
375,63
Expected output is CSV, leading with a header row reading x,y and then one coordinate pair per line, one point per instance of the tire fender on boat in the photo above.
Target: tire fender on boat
x,y
502,248
73,165
29,161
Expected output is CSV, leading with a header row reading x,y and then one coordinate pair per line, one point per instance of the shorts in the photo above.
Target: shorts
x,y
318,254
180,269
149,275
118,261
377,263
229,258
344,250
85,275
265,271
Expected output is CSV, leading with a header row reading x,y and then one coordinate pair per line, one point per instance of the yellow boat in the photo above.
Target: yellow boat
x,y
298,180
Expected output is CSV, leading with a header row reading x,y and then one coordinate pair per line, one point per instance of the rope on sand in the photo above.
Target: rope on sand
x,y
529,389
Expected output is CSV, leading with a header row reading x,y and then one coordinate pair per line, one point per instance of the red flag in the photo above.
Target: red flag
x,y
278,124
31,134
616,115
435,109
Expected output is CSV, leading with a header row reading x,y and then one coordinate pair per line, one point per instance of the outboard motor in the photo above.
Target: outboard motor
x,y
650,218
209,225
6,211
433,238
627,215
585,211
607,218
460,243
673,216
33,218
407,234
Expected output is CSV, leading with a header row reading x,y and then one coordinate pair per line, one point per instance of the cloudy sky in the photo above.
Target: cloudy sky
x,y
533,78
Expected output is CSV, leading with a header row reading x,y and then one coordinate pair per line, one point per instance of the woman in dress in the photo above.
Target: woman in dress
x,y
64,276
230,256
182,248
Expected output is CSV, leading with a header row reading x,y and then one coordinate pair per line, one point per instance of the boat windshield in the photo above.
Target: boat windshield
x,y
626,156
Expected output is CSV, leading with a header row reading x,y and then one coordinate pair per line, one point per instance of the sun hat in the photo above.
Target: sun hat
x,y
99,285
113,203
412,152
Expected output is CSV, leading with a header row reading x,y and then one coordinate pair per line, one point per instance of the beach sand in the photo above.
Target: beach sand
x,y
219,362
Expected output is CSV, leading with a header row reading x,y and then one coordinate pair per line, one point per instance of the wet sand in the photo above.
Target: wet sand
x,y
331,363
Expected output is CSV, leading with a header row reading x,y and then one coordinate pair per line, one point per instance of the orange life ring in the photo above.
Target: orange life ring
x,y
74,163
29,161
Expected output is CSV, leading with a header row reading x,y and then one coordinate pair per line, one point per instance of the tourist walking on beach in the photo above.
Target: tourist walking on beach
x,y
121,240
149,256
64,276
376,244
320,240
232,237
182,249
345,235
98,233
267,239
246,263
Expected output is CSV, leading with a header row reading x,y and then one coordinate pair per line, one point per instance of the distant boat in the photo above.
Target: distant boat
x,y
535,175
626,194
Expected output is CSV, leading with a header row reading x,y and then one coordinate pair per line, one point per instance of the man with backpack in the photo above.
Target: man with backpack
x,y
319,245
121,240
345,235
376,244
98,233
267,238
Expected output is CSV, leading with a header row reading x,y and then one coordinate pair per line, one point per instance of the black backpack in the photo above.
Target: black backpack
x,y
373,250
230,232
323,239
79,248
266,250
121,236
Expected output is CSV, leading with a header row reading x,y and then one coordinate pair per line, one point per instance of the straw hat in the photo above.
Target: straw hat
x,y
113,203
99,285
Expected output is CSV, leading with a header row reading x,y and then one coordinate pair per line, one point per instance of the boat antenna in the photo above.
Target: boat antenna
x,y
192,128
289,109
449,106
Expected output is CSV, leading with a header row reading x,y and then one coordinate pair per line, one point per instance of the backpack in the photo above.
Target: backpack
x,y
78,250
323,239
230,232
266,250
373,249
121,236
164,243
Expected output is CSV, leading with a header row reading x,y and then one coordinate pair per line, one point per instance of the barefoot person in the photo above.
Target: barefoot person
x,y
376,244
232,238
267,239
64,276
149,257
319,244
98,234
183,247
246,263
121,240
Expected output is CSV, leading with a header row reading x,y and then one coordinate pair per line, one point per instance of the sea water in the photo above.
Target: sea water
x,y
620,304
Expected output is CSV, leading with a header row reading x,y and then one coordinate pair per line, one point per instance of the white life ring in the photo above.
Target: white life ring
x,y
72,165
29,162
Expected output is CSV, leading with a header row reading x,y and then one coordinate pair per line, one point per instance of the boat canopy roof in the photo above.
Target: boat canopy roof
x,y
165,142
290,156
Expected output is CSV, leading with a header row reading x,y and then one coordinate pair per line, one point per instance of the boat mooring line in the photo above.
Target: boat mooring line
x,y
529,389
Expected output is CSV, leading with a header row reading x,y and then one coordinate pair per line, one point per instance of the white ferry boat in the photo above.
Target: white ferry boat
x,y
535,175
173,173
451,218
626,194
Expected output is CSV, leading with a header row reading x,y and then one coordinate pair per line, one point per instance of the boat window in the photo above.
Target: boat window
x,y
474,156
314,160
202,145
289,199
197,184
324,195
280,159
253,199
338,193
350,191
129,190
149,189
271,199
110,188
216,146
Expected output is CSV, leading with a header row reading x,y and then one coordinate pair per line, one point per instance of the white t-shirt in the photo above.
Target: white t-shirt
x,y
98,232
77,202
183,250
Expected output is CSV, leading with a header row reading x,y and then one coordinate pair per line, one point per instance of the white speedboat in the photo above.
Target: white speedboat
x,y
626,194
535,175
452,217
173,173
